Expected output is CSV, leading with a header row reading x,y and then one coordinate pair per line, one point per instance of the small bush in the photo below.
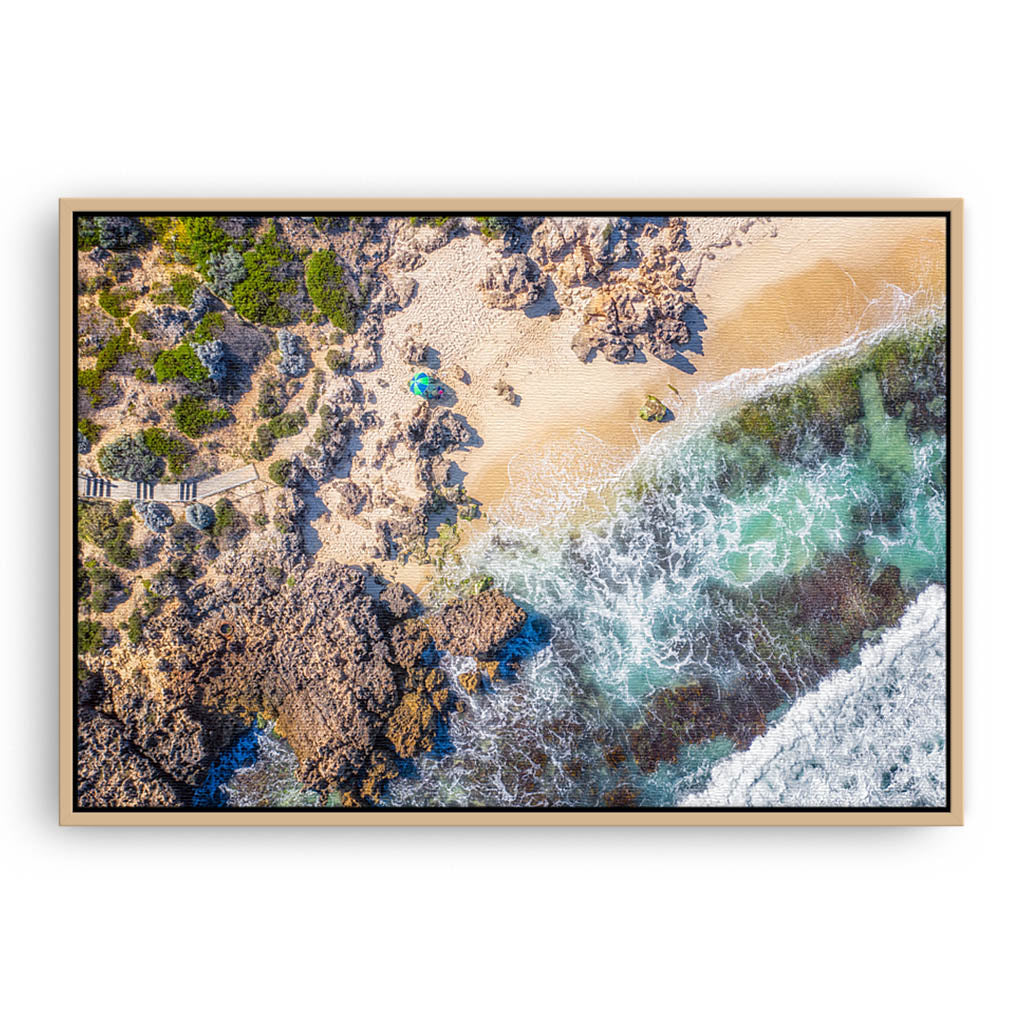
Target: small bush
x,y
494,227
117,345
118,302
128,458
293,355
155,516
180,361
228,521
268,403
224,270
262,443
288,424
200,516
197,240
193,418
325,282
103,582
109,529
267,281
121,232
280,472
141,325
337,361
183,287
176,451
90,637
132,627
91,431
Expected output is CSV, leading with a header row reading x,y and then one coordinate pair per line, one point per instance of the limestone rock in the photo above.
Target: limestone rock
x,y
478,625
511,282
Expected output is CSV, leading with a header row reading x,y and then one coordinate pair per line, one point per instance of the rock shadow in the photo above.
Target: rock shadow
x,y
546,305
315,509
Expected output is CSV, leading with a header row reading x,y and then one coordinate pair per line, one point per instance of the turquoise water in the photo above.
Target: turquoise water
x,y
631,602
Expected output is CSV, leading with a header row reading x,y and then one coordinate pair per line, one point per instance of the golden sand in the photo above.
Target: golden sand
x,y
814,285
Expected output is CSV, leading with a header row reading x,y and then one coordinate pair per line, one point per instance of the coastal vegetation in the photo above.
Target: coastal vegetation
x,y
325,281
193,417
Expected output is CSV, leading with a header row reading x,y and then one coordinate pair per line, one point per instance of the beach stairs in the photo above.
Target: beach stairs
x,y
186,491
90,486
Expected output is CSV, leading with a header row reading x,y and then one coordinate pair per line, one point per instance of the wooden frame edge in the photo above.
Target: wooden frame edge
x,y
953,207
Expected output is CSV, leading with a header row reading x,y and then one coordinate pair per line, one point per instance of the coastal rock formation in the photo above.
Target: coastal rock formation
x,y
478,625
511,282
579,249
345,675
112,772
644,311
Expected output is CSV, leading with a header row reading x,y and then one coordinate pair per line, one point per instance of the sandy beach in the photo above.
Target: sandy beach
x,y
801,286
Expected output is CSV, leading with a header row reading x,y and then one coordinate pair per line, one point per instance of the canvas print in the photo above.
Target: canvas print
x,y
418,511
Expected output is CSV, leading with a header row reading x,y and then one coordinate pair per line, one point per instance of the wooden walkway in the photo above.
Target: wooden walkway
x,y
90,486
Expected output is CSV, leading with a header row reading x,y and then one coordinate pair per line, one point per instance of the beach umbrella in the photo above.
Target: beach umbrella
x,y
425,386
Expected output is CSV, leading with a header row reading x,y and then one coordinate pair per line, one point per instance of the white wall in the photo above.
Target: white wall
x,y
526,98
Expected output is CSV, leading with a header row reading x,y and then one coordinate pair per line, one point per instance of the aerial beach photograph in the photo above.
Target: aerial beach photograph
x,y
410,511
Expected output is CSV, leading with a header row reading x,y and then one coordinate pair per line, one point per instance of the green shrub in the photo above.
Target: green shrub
x,y
193,418
103,583
180,361
91,383
91,430
118,303
210,327
227,519
337,361
117,345
133,627
257,298
198,238
176,451
141,325
262,443
88,233
494,227
287,424
90,637
268,402
280,472
183,286
325,281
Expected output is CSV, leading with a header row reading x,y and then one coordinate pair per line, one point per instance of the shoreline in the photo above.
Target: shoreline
x,y
817,286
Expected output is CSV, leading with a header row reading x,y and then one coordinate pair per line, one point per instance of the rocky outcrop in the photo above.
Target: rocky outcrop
x,y
645,311
511,282
578,250
345,675
112,772
476,626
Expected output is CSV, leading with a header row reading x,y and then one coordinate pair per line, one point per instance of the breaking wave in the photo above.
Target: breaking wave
x,y
870,736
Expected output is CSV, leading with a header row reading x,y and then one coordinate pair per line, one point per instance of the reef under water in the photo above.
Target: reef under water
x,y
736,573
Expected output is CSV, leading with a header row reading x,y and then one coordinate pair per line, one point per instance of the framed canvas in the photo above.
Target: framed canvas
x,y
511,511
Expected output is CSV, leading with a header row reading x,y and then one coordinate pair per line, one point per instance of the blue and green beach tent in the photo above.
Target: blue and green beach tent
x,y
426,387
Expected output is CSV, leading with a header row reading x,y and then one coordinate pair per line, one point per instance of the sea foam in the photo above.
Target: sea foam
x,y
870,736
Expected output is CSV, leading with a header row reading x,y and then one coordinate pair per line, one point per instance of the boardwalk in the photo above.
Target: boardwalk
x,y
90,486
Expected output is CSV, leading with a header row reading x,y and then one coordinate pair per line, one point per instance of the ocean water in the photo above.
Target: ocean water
x,y
628,599
870,736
